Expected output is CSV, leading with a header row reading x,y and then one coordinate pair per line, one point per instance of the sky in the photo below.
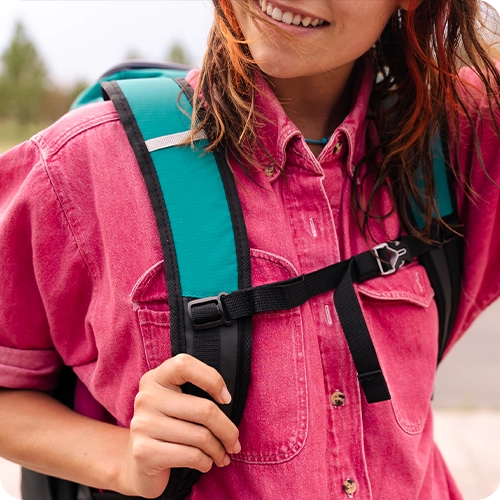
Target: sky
x,y
82,39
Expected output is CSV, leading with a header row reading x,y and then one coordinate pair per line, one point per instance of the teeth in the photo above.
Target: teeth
x,y
289,17
277,15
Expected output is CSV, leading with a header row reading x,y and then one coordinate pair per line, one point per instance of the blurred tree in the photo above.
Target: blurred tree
x,y
178,54
23,80
57,101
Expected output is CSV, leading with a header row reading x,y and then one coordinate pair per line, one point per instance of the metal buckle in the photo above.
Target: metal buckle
x,y
222,320
395,257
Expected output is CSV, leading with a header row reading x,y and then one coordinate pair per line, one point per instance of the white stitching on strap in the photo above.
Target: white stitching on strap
x,y
167,141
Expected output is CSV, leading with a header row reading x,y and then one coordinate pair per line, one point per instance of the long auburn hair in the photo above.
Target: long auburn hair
x,y
418,90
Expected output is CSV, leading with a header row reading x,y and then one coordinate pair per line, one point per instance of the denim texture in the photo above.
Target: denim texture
x,y
83,284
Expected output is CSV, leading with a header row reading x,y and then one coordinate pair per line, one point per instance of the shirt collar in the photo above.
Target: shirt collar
x,y
279,130
354,125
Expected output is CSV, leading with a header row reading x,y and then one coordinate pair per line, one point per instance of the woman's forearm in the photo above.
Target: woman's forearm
x,y
39,433
168,429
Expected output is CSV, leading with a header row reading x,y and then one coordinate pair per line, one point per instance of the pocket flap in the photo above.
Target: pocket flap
x,y
151,286
410,283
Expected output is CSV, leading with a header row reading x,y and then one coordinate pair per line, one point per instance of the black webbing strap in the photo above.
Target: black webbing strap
x,y
358,338
444,269
382,260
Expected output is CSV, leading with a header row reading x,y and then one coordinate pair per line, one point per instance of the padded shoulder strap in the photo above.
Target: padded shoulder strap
x,y
444,195
129,70
201,229
444,263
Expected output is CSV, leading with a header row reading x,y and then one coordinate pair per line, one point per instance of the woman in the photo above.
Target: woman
x,y
326,108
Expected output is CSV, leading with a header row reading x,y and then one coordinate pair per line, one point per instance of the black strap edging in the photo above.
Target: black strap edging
x,y
112,91
242,362
181,479
230,344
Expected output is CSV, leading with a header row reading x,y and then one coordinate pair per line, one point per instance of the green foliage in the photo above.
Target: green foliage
x,y
12,133
26,94
23,81
178,54
57,101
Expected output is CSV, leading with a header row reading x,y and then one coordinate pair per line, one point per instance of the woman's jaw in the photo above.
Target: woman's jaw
x,y
311,38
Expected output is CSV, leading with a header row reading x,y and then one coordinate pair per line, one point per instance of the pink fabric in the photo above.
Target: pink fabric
x,y
83,283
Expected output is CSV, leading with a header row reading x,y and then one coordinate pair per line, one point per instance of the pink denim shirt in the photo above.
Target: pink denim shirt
x,y
83,284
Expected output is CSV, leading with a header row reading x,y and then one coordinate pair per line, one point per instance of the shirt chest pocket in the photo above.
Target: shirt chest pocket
x,y
274,425
150,300
403,322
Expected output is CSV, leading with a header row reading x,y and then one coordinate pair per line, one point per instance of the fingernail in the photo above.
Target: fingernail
x,y
237,447
225,396
226,460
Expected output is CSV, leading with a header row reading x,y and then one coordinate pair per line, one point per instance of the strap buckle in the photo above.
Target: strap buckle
x,y
396,257
213,316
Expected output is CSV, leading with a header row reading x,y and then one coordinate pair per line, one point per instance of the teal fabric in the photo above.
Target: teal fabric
x,y
192,188
442,194
94,94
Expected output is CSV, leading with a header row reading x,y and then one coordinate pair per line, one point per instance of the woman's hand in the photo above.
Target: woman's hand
x,y
172,429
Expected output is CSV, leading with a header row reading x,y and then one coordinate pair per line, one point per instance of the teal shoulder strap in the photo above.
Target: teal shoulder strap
x,y
129,70
191,187
201,230
443,194
444,263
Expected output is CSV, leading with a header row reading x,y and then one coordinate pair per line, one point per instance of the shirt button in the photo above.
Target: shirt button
x,y
337,148
350,487
269,171
337,398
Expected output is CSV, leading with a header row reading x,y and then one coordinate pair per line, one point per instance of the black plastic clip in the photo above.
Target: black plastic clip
x,y
213,314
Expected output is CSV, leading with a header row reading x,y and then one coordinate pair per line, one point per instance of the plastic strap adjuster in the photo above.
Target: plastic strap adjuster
x,y
212,314
394,259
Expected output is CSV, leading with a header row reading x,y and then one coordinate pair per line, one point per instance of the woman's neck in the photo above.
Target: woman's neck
x,y
318,104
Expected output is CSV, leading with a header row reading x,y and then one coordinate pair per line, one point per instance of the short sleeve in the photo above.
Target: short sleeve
x,y
40,266
480,210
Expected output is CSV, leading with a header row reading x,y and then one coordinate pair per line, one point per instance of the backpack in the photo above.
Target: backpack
x,y
207,259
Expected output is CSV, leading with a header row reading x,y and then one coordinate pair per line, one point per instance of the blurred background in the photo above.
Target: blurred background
x,y
51,50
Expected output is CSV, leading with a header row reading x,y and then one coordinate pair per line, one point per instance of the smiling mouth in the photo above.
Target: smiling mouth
x,y
289,18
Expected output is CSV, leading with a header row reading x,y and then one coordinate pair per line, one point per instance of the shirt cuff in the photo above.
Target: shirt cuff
x,y
36,369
